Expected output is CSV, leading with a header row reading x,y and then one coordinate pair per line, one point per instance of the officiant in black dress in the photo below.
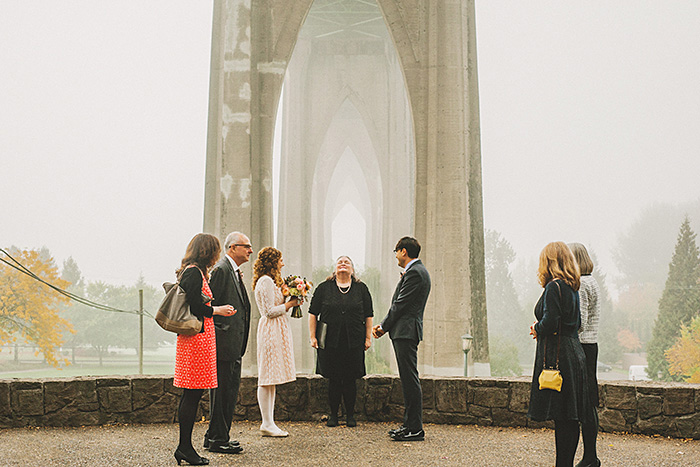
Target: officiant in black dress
x,y
344,303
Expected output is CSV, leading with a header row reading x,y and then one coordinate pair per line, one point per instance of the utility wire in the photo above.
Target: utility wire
x,y
24,270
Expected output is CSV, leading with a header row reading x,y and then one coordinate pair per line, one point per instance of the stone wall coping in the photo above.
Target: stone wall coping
x,y
652,408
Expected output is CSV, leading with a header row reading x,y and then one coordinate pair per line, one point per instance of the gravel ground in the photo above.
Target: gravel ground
x,y
312,443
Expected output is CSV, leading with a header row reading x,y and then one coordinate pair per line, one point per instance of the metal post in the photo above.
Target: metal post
x,y
140,331
466,363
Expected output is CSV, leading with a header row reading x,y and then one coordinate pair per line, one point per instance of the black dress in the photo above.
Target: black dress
x,y
559,305
345,314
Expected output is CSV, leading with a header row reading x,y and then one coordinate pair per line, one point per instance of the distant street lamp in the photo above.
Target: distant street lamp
x,y
466,347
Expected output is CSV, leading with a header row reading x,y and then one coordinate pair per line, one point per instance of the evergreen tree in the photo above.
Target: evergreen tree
x,y
679,303
508,323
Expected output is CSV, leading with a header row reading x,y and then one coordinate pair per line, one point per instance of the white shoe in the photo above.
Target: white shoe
x,y
274,432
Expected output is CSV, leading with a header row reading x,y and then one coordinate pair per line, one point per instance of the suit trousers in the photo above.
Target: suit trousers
x,y
222,401
406,351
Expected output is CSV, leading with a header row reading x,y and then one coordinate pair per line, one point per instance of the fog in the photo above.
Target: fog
x,y
589,115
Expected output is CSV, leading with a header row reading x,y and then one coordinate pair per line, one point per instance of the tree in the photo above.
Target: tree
x,y
30,309
684,356
104,329
508,322
73,311
679,303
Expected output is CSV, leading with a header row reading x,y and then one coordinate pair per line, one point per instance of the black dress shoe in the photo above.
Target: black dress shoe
x,y
401,431
396,430
332,421
208,442
225,448
409,436
585,463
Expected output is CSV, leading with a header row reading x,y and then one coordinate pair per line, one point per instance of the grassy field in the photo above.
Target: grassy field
x,y
109,367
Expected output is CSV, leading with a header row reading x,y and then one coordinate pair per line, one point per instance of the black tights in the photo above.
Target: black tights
x,y
345,388
186,414
589,430
566,434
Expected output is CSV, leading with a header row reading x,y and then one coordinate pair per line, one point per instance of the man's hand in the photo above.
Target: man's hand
x,y
377,331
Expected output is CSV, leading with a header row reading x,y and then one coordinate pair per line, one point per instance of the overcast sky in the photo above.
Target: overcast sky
x,y
590,112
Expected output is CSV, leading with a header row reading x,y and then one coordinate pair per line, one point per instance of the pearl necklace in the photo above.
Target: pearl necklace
x,y
341,288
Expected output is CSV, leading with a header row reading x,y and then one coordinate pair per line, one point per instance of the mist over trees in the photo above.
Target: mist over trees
x,y
101,330
679,303
654,301
34,314
508,322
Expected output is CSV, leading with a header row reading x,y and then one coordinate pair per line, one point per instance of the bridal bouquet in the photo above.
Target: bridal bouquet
x,y
297,287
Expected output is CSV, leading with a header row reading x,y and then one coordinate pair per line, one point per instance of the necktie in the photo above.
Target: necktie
x,y
242,286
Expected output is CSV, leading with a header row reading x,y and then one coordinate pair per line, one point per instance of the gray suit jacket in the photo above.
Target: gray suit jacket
x,y
231,331
405,317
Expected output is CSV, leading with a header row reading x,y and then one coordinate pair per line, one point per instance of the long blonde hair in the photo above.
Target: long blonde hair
x,y
268,264
557,262
585,264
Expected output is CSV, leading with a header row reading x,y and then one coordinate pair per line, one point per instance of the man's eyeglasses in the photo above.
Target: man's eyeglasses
x,y
244,245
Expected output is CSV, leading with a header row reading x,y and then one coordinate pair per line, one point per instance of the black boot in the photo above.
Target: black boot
x,y
335,391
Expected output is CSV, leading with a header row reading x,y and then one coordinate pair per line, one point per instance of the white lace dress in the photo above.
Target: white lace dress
x,y
275,347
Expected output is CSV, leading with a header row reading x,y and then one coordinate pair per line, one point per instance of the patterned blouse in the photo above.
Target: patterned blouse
x,y
590,310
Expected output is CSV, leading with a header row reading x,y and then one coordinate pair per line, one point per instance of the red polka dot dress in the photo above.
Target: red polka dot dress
x,y
195,357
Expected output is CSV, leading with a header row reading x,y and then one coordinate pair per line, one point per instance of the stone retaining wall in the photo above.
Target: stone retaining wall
x,y
667,409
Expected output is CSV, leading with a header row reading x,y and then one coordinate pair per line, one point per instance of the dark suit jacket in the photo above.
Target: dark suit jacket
x,y
231,331
405,317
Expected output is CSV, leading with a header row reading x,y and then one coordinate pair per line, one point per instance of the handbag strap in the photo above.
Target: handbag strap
x,y
544,363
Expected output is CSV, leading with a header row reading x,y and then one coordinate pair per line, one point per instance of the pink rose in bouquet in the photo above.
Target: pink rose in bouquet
x,y
300,288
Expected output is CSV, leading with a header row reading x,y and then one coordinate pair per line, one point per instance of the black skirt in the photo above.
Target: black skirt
x,y
341,361
574,400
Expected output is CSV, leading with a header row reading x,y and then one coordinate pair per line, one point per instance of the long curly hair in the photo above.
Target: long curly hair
x,y
268,264
558,262
203,251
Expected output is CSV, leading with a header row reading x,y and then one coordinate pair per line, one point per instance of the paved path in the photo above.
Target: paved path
x,y
314,444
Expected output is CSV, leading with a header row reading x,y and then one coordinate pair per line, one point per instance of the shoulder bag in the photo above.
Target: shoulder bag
x,y
174,313
550,378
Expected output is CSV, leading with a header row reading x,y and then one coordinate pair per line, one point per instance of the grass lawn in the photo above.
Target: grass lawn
x,y
41,370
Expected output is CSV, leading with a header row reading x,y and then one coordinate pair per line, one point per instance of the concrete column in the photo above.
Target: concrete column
x,y
252,41
436,44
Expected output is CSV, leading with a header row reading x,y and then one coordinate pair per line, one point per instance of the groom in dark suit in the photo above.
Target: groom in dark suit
x,y
231,340
404,323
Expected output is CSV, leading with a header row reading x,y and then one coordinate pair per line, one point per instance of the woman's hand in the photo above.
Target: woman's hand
x,y
368,343
225,310
314,342
294,301
533,333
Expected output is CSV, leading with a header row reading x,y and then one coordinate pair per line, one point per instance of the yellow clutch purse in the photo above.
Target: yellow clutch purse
x,y
550,379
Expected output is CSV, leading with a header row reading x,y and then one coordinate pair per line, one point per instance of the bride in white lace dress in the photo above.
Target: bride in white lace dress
x,y
275,348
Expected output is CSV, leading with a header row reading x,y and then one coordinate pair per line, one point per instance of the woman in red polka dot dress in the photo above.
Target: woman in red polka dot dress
x,y
195,358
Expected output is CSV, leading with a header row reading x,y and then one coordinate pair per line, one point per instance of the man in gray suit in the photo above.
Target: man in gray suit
x,y
404,323
231,341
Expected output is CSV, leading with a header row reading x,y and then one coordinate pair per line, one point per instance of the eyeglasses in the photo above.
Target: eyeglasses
x,y
244,245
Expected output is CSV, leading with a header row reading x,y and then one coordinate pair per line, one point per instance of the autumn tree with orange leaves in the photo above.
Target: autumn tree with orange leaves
x,y
30,309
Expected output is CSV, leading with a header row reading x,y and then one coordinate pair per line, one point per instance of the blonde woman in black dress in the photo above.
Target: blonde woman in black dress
x,y
344,303
556,331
